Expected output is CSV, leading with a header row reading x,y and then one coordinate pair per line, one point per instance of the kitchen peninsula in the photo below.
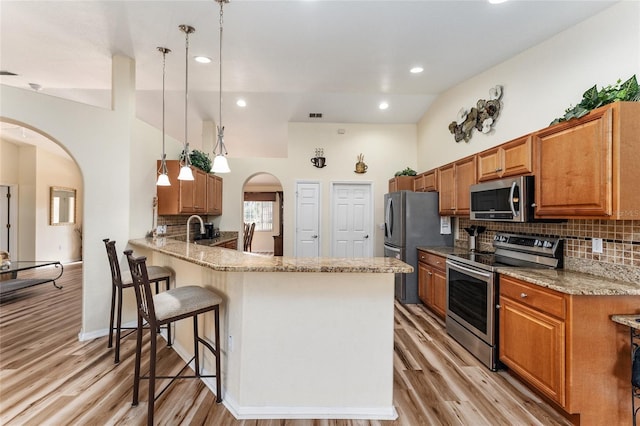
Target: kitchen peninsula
x,y
300,337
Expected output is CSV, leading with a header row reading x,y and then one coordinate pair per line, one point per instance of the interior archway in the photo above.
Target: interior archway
x,y
263,198
30,164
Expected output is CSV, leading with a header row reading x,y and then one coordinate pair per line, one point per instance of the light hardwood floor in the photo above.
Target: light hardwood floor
x,y
48,377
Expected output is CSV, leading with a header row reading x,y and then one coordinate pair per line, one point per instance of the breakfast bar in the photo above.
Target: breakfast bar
x,y
300,337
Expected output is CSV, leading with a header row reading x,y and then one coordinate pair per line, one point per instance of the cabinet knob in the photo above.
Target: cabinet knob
x,y
523,295
429,273
498,306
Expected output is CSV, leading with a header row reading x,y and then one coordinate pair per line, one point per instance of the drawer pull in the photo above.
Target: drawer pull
x,y
523,295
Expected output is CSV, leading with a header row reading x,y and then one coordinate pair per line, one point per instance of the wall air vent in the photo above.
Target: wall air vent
x,y
315,115
3,72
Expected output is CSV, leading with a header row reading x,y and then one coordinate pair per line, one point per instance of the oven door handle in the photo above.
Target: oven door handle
x,y
470,271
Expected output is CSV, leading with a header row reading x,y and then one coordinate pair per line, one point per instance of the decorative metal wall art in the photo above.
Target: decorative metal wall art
x,y
319,161
482,117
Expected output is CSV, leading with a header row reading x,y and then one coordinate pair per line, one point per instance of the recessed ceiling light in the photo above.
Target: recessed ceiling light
x,y
202,59
383,105
416,70
241,103
497,1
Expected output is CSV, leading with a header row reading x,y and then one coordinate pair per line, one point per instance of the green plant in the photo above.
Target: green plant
x,y
406,172
594,98
199,159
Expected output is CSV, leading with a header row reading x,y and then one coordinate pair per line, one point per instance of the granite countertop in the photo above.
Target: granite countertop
x,y
221,259
632,321
562,280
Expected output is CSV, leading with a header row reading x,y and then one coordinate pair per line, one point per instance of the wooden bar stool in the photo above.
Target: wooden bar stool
x,y
166,307
123,280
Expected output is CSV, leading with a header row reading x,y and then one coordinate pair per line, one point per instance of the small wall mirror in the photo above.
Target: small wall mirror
x,y
63,206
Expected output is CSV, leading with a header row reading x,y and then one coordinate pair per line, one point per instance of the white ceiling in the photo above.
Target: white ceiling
x,y
286,58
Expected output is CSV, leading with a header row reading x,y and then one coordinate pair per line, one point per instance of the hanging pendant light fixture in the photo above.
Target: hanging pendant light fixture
x,y
163,176
185,162
220,163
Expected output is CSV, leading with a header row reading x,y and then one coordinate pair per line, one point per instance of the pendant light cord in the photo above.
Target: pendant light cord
x,y
187,30
220,126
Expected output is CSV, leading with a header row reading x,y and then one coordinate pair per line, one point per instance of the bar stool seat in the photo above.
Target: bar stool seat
x,y
166,307
121,280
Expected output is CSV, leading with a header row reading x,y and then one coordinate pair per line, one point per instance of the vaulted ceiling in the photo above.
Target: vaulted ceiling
x,y
287,59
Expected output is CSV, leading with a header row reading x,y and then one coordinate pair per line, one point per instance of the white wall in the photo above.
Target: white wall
x,y
386,149
539,84
60,242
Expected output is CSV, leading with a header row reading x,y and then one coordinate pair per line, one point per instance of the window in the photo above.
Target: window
x,y
260,212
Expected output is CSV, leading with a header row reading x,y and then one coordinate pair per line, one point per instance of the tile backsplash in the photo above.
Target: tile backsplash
x,y
620,257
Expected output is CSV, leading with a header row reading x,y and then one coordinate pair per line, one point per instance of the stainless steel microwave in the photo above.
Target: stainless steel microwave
x,y
508,200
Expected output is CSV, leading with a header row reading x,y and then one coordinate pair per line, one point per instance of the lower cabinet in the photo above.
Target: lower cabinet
x,y
532,338
432,282
567,349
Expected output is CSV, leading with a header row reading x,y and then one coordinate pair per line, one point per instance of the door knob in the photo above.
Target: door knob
x,y
314,236
366,236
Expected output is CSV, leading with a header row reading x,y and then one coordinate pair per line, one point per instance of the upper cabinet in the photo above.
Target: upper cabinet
x,y
513,158
588,167
454,181
401,183
426,182
189,197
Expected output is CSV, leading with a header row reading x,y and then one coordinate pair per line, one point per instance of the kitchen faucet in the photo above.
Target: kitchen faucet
x,y
189,222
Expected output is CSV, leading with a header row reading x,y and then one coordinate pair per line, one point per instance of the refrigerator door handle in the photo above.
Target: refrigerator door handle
x,y
388,221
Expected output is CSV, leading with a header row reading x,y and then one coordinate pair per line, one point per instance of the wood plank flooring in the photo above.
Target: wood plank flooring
x,y
48,377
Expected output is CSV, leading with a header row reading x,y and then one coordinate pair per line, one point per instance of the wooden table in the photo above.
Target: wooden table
x,y
10,282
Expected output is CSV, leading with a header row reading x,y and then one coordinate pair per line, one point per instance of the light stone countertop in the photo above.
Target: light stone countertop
x,y
221,259
562,280
632,321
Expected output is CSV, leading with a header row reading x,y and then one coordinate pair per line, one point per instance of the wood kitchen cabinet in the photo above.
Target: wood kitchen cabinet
x,y
189,197
454,181
214,195
512,158
588,167
401,183
426,182
432,282
566,348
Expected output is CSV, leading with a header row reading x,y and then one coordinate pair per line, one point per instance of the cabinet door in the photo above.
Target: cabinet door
x,y
465,176
532,344
439,285
424,283
446,183
573,162
211,198
517,157
187,201
490,164
217,204
418,183
430,179
199,191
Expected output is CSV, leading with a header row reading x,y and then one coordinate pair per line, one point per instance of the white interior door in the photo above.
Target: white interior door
x,y
307,219
352,220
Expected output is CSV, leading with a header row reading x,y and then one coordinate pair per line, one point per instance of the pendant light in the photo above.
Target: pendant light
x,y
185,163
220,163
163,177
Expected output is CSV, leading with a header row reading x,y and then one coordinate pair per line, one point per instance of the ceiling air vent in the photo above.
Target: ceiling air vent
x,y
315,115
3,72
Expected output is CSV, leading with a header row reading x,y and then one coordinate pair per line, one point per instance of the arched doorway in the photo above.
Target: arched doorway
x,y
263,205
31,164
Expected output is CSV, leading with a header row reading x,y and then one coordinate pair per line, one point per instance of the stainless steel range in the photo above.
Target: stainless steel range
x,y
472,288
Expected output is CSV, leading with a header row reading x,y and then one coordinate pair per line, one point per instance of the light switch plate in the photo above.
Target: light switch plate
x,y
596,245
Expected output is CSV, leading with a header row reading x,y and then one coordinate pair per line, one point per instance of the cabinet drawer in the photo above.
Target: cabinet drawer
x,y
531,295
431,259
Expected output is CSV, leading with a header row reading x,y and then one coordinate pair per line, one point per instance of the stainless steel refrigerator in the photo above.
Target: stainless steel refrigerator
x,y
411,220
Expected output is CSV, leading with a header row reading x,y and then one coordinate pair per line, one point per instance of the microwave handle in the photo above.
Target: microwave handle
x,y
513,209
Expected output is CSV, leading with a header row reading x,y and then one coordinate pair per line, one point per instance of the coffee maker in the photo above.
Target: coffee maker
x,y
210,231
